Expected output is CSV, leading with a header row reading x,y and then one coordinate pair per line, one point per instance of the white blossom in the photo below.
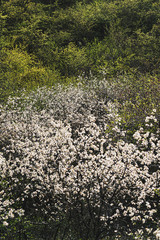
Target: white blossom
x,y
61,160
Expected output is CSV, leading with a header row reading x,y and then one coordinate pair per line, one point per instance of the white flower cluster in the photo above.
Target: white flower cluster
x,y
57,160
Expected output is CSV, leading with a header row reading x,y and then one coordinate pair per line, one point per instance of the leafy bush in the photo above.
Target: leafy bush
x,y
137,96
76,36
72,60
20,72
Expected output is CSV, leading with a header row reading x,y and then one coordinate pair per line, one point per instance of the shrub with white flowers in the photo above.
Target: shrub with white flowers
x,y
60,165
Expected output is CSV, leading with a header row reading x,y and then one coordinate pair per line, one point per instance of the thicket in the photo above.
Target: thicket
x,y
79,140
42,42
70,170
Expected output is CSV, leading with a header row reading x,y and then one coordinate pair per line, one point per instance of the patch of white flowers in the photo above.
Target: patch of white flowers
x,y
58,160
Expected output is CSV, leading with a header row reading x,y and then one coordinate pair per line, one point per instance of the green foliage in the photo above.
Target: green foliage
x,y
137,97
72,60
21,72
79,36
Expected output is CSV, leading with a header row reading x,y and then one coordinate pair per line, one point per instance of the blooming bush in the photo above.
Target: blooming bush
x,y
61,166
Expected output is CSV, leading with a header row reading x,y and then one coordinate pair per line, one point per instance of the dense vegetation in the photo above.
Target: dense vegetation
x,y
43,42
71,169
79,119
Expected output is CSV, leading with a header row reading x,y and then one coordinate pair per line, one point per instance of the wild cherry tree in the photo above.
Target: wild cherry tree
x,y
60,163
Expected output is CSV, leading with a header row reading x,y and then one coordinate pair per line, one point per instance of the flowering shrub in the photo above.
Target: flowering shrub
x,y
60,165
